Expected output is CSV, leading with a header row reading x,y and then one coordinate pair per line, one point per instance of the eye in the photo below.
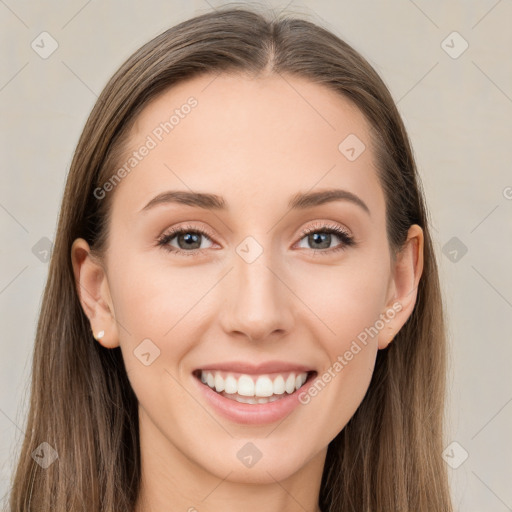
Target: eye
x,y
188,240
319,236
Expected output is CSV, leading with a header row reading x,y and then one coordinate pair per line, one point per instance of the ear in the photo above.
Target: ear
x,y
94,293
403,287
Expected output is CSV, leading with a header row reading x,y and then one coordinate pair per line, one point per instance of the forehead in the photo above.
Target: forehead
x,y
242,136
237,105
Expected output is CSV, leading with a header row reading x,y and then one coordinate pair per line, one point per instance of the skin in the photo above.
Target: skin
x,y
256,142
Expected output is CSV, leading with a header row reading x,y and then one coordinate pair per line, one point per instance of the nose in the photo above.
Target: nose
x,y
257,303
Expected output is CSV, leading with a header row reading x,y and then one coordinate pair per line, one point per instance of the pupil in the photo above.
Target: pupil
x,y
191,239
316,236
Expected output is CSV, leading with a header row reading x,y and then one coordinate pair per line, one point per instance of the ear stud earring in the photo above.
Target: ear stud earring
x,y
99,335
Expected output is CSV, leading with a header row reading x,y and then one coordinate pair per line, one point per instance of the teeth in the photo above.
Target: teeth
x,y
264,387
230,384
251,399
290,383
279,387
245,386
219,383
250,390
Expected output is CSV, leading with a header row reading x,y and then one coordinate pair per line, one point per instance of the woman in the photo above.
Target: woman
x,y
243,305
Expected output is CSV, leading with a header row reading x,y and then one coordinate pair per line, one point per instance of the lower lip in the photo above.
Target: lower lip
x,y
253,414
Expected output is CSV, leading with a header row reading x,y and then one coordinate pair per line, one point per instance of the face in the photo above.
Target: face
x,y
265,287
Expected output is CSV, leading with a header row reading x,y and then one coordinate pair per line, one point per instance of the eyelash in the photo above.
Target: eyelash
x,y
346,239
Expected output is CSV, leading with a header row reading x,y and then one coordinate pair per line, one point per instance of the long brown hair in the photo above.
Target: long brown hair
x,y
388,457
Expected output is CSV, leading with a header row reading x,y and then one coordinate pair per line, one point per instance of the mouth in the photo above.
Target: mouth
x,y
251,388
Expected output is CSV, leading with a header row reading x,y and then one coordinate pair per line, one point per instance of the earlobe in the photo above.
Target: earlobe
x,y
94,295
406,274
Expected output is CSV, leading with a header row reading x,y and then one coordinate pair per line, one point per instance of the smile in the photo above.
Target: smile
x,y
253,389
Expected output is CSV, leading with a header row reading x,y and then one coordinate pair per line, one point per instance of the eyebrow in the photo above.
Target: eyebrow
x,y
300,201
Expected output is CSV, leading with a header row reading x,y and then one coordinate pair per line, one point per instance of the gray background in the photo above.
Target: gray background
x,y
457,109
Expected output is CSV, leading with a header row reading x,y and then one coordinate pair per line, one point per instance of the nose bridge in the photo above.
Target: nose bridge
x,y
258,303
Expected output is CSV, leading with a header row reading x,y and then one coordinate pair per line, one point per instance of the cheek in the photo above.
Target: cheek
x,y
347,298
151,298
157,304
156,309
350,307
156,301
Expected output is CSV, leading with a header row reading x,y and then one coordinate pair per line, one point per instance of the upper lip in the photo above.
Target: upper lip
x,y
256,369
